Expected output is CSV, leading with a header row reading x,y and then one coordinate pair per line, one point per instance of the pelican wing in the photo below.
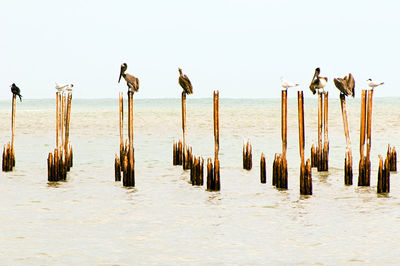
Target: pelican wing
x,y
186,84
351,84
341,85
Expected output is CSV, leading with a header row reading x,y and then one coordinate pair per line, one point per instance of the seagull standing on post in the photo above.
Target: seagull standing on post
x,y
185,83
16,91
131,81
287,84
317,82
372,84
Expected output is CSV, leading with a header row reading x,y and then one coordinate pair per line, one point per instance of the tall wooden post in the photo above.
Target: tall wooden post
x,y
362,165
320,127
121,126
326,140
284,123
305,169
216,140
348,164
14,105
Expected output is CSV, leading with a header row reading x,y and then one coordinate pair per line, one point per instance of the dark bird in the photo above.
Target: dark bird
x,y
185,83
317,82
16,91
346,85
131,81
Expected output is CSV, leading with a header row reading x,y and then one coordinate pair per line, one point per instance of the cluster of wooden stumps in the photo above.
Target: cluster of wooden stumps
x,y
8,162
279,166
125,162
319,155
182,154
247,156
60,162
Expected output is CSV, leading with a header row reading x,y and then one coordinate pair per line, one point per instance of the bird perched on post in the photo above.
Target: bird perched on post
x,y
346,85
374,84
317,82
67,87
16,91
185,83
131,81
287,84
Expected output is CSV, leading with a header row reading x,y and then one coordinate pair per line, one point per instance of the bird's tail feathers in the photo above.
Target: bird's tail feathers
x,y
20,97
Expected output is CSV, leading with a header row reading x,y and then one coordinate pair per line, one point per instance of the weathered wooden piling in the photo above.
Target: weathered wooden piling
x,y
319,157
129,156
279,167
263,171
60,162
213,172
121,127
364,172
383,185
247,156
348,161
392,157
196,171
305,169
8,162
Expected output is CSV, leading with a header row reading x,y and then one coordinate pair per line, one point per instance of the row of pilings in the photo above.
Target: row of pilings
x,y
125,161
60,161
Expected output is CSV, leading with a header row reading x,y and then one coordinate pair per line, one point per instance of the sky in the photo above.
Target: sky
x,y
241,48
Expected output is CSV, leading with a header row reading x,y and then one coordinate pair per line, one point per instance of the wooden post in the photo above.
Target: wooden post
x,y
313,156
183,102
247,156
383,185
121,126
279,168
263,171
210,175
57,119
326,140
213,173
216,123
320,126
13,112
129,160
305,169
348,161
117,166
63,121
284,123
369,131
361,168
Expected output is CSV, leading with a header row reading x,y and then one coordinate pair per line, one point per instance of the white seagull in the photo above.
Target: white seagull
x,y
287,84
61,88
69,87
373,84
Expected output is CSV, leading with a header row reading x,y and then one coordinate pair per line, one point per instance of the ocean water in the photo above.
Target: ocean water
x,y
92,220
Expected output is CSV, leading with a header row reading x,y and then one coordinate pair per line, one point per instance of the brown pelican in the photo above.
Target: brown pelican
x,y
317,82
185,83
16,91
345,85
373,84
131,81
287,84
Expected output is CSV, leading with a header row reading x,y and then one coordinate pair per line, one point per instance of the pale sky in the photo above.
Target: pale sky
x,y
241,48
